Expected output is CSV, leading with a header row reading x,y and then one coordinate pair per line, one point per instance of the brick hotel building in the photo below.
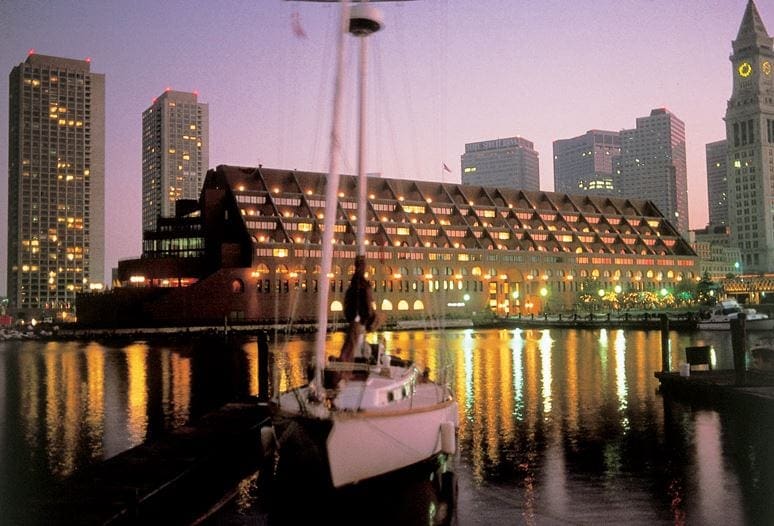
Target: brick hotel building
x,y
250,251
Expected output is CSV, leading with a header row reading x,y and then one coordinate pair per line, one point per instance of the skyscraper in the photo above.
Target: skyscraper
x,y
717,183
56,183
750,139
652,165
584,164
175,153
504,163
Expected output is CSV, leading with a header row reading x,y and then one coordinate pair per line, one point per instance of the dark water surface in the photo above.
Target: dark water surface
x,y
556,426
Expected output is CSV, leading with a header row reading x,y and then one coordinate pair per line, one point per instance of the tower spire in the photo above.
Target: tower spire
x,y
752,33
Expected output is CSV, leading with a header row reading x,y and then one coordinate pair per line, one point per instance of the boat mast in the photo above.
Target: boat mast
x,y
364,21
331,200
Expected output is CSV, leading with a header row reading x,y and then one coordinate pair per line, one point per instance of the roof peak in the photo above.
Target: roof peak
x,y
752,32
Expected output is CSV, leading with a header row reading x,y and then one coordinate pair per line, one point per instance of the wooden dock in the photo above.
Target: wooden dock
x,y
738,388
172,480
720,389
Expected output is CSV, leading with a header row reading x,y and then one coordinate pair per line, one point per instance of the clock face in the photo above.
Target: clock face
x,y
744,69
766,67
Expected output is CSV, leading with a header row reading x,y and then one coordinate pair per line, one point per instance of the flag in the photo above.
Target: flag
x,y
446,168
298,31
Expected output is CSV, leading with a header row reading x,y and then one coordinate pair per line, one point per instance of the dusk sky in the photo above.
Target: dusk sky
x,y
443,73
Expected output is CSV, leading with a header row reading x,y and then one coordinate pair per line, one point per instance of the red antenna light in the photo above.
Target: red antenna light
x,y
88,59
196,92
31,51
167,89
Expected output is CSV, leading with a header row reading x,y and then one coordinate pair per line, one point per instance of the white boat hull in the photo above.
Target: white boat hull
x,y
750,325
365,445
357,444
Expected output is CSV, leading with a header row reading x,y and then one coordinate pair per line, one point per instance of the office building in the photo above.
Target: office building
x,y
750,141
717,183
56,180
652,165
175,153
501,163
584,164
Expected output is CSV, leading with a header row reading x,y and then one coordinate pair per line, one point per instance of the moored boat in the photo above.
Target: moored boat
x,y
367,413
724,312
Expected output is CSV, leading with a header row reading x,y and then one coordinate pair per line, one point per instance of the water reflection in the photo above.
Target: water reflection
x,y
558,424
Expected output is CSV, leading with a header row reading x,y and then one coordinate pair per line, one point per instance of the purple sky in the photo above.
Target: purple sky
x,y
443,74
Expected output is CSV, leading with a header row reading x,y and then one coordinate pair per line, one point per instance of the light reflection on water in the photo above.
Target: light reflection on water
x,y
554,424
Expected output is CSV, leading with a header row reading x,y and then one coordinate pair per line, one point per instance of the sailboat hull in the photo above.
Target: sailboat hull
x,y
350,446
365,445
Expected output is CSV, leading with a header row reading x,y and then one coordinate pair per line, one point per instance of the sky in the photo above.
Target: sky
x,y
441,74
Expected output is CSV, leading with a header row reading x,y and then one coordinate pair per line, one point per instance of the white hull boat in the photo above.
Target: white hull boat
x,y
359,418
384,419
726,311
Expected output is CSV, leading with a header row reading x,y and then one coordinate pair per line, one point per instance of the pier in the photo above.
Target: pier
x,y
738,388
172,480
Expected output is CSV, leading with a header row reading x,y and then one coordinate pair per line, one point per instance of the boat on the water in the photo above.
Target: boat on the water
x,y
370,414
724,312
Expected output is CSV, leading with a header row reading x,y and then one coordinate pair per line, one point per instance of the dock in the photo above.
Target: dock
x,y
171,480
743,388
719,389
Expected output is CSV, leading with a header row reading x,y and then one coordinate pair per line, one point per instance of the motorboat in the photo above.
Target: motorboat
x,y
725,311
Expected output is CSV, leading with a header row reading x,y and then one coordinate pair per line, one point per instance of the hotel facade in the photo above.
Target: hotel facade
x,y
251,251
56,184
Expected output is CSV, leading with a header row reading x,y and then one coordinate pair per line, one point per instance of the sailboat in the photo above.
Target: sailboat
x,y
364,418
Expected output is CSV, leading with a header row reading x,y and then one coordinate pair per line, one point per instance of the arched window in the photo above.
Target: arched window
x,y
418,305
336,306
237,286
386,305
403,305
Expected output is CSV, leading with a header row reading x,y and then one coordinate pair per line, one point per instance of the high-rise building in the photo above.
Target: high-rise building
x,y
56,183
584,164
502,163
652,165
750,141
717,183
175,153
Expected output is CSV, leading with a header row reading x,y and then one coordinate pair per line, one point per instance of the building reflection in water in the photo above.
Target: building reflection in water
x,y
557,420
137,391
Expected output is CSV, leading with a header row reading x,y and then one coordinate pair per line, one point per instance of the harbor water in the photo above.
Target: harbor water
x,y
556,426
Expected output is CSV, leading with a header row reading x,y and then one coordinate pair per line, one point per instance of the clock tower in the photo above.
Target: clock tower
x,y
750,139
